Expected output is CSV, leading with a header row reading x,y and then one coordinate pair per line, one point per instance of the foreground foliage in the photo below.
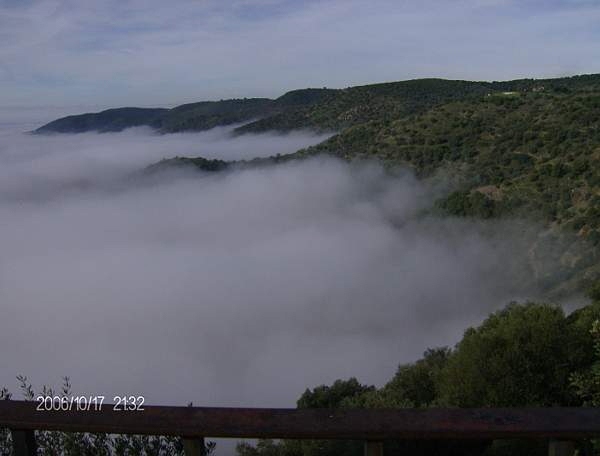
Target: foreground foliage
x,y
528,354
52,443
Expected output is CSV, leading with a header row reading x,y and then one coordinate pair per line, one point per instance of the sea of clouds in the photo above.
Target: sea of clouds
x,y
233,289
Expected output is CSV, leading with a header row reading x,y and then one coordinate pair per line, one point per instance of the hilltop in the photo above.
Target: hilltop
x,y
198,116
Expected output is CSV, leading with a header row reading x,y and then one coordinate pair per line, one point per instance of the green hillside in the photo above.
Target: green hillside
x,y
209,114
356,105
527,148
317,109
534,150
514,148
110,120
393,100
199,116
212,165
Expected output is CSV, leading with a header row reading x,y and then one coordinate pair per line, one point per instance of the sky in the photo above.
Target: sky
x,y
156,53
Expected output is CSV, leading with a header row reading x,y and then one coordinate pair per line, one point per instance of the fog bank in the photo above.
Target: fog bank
x,y
235,289
39,166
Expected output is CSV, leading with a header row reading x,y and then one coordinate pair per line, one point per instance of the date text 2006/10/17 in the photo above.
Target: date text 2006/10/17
x,y
56,403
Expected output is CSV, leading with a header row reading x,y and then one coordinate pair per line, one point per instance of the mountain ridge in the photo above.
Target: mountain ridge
x,y
195,116
322,109
530,148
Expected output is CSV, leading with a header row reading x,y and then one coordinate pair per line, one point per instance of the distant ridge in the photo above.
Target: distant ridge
x,y
111,120
318,109
198,116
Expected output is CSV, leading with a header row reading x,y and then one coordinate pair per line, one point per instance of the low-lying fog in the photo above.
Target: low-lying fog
x,y
236,289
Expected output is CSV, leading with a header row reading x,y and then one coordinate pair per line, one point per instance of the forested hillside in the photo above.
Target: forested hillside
x,y
527,148
188,117
533,153
356,105
539,150
318,109
393,100
110,120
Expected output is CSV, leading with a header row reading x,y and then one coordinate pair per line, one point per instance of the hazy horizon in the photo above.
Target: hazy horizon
x,y
24,111
147,53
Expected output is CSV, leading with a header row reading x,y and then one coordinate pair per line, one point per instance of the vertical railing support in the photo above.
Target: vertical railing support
x,y
194,447
24,442
373,448
561,448
586,447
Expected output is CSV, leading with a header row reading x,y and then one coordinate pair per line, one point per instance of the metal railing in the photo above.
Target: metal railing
x,y
560,425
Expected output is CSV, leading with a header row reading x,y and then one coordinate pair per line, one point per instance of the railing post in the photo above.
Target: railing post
x,y
23,442
586,447
561,448
373,448
194,447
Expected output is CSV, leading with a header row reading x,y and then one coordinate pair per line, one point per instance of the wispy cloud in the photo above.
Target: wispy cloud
x,y
152,52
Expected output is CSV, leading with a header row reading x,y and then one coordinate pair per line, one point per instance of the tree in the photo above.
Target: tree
x,y
587,383
324,396
415,384
518,357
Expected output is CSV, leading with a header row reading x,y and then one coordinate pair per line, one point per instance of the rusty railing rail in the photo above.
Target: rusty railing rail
x,y
560,425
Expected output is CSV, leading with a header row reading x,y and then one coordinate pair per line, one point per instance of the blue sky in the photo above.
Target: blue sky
x,y
151,52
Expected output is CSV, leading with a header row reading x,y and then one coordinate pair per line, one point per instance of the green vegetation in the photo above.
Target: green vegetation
x,y
518,147
198,163
533,155
215,165
106,121
518,356
586,381
210,114
320,109
525,148
395,100
523,355
357,105
188,117
536,152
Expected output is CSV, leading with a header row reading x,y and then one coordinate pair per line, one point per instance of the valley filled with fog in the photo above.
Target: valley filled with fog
x,y
358,224
233,289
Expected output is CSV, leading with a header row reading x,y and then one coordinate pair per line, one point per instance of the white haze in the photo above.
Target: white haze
x,y
32,166
235,289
